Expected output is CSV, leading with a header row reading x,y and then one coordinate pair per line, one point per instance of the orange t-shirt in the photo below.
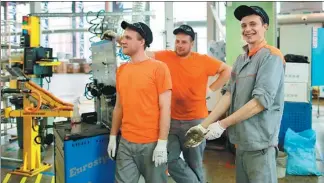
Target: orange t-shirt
x,y
189,79
139,85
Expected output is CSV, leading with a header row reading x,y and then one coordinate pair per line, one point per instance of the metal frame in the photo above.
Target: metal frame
x,y
151,13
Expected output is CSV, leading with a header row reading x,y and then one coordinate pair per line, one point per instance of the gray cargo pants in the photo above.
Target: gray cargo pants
x,y
191,170
133,160
256,166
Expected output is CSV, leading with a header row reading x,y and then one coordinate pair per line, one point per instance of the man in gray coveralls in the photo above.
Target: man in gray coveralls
x,y
254,98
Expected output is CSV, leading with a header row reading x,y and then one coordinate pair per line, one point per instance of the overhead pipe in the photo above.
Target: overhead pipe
x,y
296,19
300,18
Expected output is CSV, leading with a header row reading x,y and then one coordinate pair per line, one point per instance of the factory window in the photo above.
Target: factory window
x,y
157,25
222,11
2,13
22,10
61,43
59,22
93,7
59,7
197,14
197,11
201,39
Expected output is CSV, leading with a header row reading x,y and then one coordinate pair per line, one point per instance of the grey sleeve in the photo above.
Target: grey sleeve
x,y
227,87
269,76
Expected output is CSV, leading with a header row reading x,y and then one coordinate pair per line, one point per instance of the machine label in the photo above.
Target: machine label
x,y
77,170
33,113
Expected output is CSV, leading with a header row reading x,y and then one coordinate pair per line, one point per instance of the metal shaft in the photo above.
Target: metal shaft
x,y
12,159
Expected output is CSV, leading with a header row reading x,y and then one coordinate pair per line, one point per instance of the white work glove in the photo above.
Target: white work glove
x,y
195,136
160,154
112,146
209,93
214,131
109,34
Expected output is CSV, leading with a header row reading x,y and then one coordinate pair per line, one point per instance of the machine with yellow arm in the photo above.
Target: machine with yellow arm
x,y
36,62
47,105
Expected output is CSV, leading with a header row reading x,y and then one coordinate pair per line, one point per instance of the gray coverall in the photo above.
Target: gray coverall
x,y
260,76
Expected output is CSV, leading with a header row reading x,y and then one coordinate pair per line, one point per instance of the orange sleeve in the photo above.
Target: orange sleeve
x,y
160,55
163,78
212,65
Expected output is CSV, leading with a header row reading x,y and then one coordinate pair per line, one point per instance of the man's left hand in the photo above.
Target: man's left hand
x,y
195,136
160,153
215,130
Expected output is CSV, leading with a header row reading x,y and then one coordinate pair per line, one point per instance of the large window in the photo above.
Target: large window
x,y
201,39
61,42
189,13
60,22
157,25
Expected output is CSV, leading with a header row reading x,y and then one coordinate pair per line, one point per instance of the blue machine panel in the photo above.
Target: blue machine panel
x,y
297,116
87,161
317,57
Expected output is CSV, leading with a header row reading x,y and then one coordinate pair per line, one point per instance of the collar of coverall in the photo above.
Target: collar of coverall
x,y
256,49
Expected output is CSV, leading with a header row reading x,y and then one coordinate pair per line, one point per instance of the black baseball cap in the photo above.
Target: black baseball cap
x,y
243,11
185,29
142,29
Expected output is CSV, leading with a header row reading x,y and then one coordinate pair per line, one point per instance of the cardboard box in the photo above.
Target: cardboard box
x,y
321,91
297,92
297,72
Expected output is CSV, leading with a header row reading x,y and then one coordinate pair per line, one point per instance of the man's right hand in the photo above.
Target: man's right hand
x,y
112,146
109,34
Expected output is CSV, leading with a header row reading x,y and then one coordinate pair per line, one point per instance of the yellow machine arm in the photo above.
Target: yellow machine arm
x,y
55,106
47,106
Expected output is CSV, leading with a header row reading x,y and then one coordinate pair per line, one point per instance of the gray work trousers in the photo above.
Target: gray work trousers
x,y
256,166
191,170
133,160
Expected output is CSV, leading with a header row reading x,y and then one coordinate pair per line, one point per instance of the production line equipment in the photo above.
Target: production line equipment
x,y
82,157
103,87
25,74
35,61
47,105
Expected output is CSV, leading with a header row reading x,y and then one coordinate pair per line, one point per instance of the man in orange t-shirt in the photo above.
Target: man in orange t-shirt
x,y
142,111
189,72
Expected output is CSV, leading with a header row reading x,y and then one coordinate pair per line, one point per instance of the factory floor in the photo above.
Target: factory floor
x,y
219,164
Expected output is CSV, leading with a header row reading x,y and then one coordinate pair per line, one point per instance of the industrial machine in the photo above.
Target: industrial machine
x,y
83,157
103,87
46,104
25,92
36,62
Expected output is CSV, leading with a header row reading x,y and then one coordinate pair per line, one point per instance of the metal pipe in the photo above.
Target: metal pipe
x,y
12,159
148,13
300,18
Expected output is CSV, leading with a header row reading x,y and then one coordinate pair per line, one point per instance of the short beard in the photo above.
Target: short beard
x,y
182,55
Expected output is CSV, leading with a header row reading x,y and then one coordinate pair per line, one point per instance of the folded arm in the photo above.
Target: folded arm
x,y
224,73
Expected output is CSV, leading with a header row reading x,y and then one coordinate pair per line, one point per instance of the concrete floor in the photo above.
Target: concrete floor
x,y
219,164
